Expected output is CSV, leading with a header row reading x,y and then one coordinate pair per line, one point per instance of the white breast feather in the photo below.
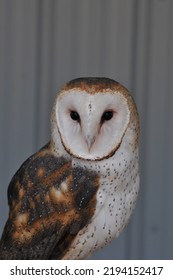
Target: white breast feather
x,y
116,198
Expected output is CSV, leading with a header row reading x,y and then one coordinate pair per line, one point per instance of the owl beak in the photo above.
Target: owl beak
x,y
90,141
90,133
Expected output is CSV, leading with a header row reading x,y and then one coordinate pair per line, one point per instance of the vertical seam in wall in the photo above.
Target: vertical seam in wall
x,y
168,126
37,71
133,81
52,52
134,45
148,32
6,82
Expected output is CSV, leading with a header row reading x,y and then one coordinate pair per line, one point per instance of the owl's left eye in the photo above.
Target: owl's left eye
x,y
107,115
75,116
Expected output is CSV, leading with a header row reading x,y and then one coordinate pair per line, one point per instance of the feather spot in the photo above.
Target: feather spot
x,y
40,172
21,219
64,187
56,194
21,193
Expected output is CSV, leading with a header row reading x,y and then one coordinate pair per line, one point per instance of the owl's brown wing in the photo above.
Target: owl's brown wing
x,y
49,203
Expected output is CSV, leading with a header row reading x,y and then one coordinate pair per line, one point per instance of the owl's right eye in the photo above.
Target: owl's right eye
x,y
74,116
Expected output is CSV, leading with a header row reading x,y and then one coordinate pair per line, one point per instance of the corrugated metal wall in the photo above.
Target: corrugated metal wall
x,y
46,43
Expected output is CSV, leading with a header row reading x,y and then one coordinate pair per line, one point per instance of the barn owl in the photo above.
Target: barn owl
x,y
77,193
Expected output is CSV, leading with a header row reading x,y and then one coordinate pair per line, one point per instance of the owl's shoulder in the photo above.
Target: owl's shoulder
x,y
35,170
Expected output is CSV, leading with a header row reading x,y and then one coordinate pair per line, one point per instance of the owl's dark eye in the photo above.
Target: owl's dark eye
x,y
75,116
107,116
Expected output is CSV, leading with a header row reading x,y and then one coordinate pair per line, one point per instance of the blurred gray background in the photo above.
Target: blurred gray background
x,y
45,43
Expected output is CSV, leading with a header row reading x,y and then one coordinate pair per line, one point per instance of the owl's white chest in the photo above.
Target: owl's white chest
x,y
116,197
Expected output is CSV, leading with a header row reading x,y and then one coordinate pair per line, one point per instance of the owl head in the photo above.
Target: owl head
x,y
91,117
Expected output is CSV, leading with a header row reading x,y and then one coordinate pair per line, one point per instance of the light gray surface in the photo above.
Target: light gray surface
x,y
46,43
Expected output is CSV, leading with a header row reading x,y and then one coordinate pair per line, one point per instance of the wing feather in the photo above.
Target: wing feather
x,y
50,202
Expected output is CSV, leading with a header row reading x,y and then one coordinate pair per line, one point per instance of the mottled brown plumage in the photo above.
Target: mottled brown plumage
x,y
44,216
